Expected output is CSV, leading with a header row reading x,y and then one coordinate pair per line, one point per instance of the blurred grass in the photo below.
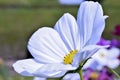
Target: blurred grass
x,y
28,2
20,18
18,77
16,25
112,9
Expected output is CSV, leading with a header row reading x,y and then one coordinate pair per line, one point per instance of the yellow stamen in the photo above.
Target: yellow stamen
x,y
69,57
94,75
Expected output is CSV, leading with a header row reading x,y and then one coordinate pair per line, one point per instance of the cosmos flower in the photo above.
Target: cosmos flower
x,y
63,48
90,74
71,76
105,75
39,78
70,2
104,57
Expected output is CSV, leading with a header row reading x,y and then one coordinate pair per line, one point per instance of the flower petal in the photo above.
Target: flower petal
x,y
30,67
91,22
113,53
71,76
68,30
70,2
93,64
39,78
85,53
102,60
26,67
54,70
46,46
115,63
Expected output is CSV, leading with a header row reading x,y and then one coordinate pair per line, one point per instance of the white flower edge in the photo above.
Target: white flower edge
x,y
97,62
71,76
30,67
39,78
91,22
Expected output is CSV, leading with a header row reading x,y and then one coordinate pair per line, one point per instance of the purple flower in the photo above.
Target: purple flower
x,y
91,75
114,43
103,42
105,75
116,30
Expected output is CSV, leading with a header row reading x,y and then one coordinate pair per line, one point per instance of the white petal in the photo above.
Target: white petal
x,y
93,64
90,50
91,22
107,58
115,63
91,47
26,67
47,46
54,70
89,64
39,78
113,52
71,2
101,56
68,30
71,76
85,53
30,67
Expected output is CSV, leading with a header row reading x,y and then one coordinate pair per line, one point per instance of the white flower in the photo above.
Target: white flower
x,y
71,76
61,49
39,78
71,2
104,57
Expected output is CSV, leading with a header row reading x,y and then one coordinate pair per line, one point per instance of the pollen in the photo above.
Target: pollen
x,y
94,75
68,59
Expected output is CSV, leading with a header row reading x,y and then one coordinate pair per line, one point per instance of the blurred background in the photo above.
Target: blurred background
x,y
20,18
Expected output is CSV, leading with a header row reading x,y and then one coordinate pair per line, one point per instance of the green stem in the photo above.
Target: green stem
x,y
80,73
79,70
115,73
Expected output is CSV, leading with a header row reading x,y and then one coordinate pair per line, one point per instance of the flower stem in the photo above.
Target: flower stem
x,y
115,73
80,73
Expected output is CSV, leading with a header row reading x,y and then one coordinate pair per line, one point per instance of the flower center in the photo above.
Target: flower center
x,y
69,57
94,75
102,54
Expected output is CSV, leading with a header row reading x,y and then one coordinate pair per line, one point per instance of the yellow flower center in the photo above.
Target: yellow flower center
x,y
69,57
94,75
